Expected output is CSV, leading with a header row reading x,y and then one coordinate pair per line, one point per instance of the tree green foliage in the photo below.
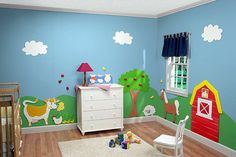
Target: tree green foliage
x,y
134,80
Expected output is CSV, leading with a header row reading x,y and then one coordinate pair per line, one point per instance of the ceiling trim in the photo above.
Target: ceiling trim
x,y
4,5
202,2
73,11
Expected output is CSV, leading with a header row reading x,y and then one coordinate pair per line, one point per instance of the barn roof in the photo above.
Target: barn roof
x,y
215,92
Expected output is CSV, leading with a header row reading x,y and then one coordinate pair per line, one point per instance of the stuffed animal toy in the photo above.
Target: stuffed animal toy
x,y
131,138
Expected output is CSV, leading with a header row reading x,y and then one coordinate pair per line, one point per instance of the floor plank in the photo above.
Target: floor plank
x,y
45,144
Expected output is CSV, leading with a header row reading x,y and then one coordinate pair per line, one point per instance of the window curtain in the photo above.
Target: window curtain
x,y
176,45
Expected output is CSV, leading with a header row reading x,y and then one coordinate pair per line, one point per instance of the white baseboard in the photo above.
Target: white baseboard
x,y
214,145
139,119
49,128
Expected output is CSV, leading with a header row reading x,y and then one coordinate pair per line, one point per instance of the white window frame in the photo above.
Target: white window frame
x,y
199,113
170,76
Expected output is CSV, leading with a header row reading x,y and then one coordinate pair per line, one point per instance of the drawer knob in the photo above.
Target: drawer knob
x,y
91,117
114,115
114,105
91,97
91,107
91,126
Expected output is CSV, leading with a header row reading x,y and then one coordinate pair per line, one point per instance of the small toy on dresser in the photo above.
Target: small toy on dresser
x,y
100,79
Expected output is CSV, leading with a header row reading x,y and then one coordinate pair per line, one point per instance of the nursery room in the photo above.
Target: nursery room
x,y
116,78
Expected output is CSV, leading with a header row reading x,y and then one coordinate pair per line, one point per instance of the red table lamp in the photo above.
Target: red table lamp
x,y
84,67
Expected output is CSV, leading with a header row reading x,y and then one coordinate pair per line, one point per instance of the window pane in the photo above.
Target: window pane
x,y
179,82
182,59
185,83
185,70
179,70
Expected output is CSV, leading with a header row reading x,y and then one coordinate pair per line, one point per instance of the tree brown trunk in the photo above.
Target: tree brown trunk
x,y
134,95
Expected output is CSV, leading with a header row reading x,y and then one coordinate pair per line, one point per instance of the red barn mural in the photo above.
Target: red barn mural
x,y
206,110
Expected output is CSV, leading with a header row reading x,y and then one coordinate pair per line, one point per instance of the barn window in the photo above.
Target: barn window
x,y
204,108
177,74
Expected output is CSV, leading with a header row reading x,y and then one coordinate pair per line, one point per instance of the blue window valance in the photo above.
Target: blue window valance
x,y
176,45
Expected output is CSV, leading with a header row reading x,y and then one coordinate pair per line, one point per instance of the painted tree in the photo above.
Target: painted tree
x,y
134,81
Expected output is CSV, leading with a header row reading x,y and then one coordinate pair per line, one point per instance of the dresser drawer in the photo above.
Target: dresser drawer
x,y
98,94
102,114
102,124
102,105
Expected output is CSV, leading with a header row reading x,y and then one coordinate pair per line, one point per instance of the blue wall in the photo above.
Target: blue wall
x,y
71,38
215,61
74,38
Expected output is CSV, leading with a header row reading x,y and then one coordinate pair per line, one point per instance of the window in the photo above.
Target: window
x,y
204,108
177,72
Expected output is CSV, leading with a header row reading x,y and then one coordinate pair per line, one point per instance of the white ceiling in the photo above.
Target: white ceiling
x,y
141,8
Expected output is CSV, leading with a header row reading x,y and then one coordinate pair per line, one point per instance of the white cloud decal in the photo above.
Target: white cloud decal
x,y
35,48
212,33
122,38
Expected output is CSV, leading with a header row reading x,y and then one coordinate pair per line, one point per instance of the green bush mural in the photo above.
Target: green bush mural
x,y
63,113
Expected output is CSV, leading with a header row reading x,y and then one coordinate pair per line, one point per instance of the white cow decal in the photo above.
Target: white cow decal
x,y
36,113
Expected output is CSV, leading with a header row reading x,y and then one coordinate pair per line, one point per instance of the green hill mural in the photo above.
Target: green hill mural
x,y
139,100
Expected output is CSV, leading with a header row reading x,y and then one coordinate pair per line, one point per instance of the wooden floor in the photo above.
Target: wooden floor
x,y
45,144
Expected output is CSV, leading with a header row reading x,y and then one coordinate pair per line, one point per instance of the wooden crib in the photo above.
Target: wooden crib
x,y
10,120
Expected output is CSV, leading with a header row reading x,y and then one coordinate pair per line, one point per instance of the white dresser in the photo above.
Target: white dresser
x,y
99,109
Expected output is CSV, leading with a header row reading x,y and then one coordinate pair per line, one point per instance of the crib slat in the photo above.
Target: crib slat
x,y
7,138
13,128
10,138
1,149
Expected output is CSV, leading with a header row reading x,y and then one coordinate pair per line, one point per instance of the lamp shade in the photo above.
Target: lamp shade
x,y
84,67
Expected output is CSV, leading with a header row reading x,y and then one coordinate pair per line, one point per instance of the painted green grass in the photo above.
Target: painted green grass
x,y
227,131
69,113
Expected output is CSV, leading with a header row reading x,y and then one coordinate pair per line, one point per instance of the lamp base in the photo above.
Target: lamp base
x,y
84,85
